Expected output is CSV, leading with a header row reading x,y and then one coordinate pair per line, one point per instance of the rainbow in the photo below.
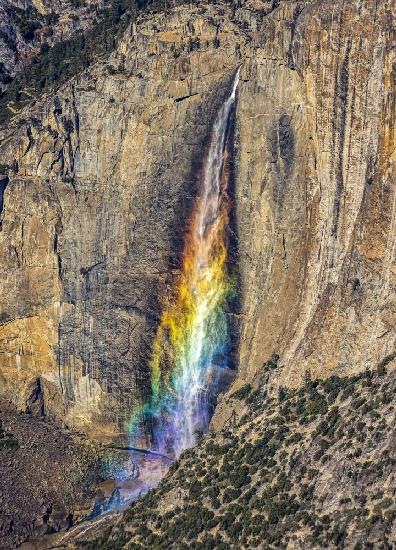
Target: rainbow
x,y
190,349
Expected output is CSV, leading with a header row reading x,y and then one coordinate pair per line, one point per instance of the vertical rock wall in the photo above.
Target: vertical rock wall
x,y
316,195
102,177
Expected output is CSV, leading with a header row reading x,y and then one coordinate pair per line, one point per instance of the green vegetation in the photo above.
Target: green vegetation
x,y
308,463
243,392
27,20
54,66
7,440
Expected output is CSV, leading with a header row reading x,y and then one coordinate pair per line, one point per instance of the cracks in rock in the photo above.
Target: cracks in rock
x,y
284,258
35,404
290,60
59,360
146,314
59,158
76,128
173,146
130,330
383,334
386,360
182,98
16,255
356,284
341,89
22,238
4,181
58,256
342,85
75,112
13,319
66,155
57,106
58,230
30,142
275,4
56,248
86,270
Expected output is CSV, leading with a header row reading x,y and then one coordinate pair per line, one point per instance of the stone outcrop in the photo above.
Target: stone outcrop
x,y
311,468
102,176
27,25
47,476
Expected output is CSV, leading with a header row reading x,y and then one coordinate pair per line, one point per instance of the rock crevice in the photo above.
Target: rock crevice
x,y
104,177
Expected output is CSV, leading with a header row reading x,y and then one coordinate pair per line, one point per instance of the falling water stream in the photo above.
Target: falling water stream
x,y
190,351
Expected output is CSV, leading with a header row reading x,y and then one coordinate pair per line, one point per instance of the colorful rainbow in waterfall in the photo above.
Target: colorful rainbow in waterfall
x,y
190,348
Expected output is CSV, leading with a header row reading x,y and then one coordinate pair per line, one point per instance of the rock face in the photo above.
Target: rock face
x,y
26,25
102,176
311,468
47,476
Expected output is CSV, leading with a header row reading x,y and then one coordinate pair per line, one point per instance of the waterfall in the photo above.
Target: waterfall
x,y
190,348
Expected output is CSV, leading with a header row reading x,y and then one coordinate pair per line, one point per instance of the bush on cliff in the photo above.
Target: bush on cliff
x,y
305,467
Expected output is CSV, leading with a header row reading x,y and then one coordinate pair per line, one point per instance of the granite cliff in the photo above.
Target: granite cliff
x,y
308,468
30,27
99,177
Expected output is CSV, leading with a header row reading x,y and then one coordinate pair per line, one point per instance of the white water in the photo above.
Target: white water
x,y
207,287
213,168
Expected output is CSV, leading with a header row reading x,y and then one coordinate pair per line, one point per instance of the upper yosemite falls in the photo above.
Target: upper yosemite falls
x,y
190,351
197,274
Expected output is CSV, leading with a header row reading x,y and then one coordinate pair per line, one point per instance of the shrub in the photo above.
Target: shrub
x,y
7,439
243,392
65,59
282,394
